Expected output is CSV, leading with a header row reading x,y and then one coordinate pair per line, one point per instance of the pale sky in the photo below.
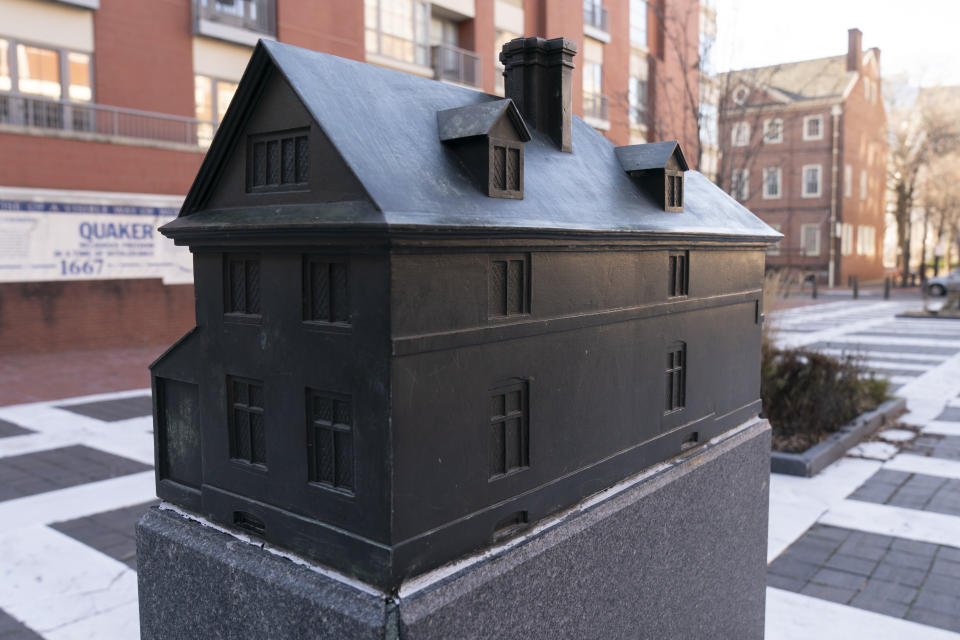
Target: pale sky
x,y
917,37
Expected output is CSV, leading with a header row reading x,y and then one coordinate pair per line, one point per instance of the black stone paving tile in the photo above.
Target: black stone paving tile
x,y
114,410
912,491
937,446
950,414
8,429
13,629
897,577
34,473
110,532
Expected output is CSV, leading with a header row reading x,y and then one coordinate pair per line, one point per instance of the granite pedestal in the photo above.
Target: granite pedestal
x,y
678,551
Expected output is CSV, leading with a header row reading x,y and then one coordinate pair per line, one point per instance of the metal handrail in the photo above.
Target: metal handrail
x,y
454,64
595,106
86,117
596,16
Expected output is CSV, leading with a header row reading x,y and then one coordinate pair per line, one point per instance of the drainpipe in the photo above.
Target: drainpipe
x,y
832,266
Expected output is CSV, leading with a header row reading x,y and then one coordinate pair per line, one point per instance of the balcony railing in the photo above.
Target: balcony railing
x,y
595,15
97,119
455,65
252,15
595,106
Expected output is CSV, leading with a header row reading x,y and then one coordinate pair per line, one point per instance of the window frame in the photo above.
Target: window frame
x,y
492,190
804,193
806,127
738,128
496,420
250,409
633,26
768,171
766,131
675,382
245,316
863,184
804,249
847,237
847,181
63,71
333,427
740,189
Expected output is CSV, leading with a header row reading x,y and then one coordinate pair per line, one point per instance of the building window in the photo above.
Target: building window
x,y
811,180
242,279
774,249
248,442
846,239
509,430
278,162
813,128
676,377
212,96
866,89
863,184
325,291
810,239
594,102
509,294
330,460
637,95
740,95
638,23
771,183
679,267
740,184
740,134
866,240
847,181
252,15
772,131
46,83
398,29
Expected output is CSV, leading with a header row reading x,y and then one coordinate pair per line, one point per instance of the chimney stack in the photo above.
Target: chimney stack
x,y
854,49
538,77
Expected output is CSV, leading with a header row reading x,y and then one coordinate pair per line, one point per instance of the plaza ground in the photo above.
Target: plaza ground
x,y
867,549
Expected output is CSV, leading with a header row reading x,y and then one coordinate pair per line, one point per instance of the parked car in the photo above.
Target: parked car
x,y
938,286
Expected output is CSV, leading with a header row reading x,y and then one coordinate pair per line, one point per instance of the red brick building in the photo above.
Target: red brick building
x,y
107,107
803,145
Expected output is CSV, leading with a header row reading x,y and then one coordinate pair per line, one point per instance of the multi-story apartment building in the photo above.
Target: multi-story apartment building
x,y
107,107
804,146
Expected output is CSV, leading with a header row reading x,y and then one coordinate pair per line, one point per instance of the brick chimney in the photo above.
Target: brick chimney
x,y
854,49
538,77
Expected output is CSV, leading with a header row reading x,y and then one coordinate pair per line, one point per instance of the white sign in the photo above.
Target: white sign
x,y
43,241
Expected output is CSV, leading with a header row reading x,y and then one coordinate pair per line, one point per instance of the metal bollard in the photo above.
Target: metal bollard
x,y
814,289
856,287
886,288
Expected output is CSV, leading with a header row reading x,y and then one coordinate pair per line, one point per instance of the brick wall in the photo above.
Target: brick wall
x,y
47,317
331,27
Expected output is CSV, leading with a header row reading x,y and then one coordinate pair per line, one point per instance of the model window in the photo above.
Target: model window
x,y
325,291
509,281
674,186
242,279
278,161
679,267
509,430
248,442
676,377
330,445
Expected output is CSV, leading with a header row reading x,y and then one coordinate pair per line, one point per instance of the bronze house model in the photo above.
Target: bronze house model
x,y
428,317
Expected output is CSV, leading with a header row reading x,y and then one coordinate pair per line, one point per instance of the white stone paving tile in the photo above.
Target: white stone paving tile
x,y
936,427
796,503
887,520
897,435
52,582
77,501
793,616
912,463
874,450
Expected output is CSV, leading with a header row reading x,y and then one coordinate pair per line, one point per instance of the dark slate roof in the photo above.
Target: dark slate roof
x,y
654,155
384,125
478,119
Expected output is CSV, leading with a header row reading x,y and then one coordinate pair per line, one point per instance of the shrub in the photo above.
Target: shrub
x,y
808,395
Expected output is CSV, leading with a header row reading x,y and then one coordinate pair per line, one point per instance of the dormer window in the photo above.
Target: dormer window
x,y
658,169
674,191
487,139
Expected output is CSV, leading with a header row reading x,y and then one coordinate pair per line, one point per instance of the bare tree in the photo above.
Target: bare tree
x,y
922,130
940,198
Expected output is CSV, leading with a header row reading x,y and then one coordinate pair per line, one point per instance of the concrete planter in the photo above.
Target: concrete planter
x,y
813,460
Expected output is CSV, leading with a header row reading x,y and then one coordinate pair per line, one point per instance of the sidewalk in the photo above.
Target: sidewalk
x,y
870,548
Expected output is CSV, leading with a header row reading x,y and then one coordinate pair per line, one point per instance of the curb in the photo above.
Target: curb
x,y
810,462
